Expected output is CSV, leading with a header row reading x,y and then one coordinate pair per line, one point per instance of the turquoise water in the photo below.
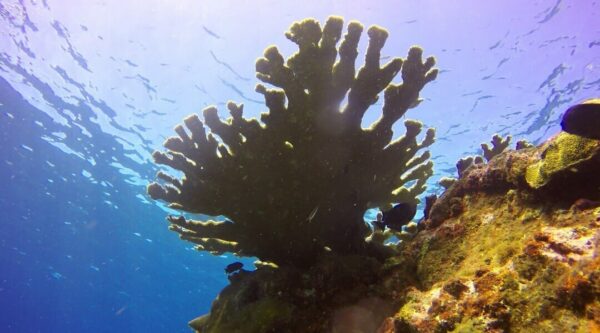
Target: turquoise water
x,y
89,89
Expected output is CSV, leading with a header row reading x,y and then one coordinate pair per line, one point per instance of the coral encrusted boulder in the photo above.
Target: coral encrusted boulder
x,y
513,245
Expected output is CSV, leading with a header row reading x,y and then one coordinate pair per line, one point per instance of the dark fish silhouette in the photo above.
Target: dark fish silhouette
x,y
399,215
210,32
583,119
234,267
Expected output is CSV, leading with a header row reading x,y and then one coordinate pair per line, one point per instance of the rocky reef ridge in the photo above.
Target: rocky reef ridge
x,y
512,246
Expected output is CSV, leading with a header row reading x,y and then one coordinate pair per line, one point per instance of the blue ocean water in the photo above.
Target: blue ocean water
x,y
89,89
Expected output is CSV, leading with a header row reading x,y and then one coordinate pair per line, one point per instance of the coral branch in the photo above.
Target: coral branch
x,y
499,144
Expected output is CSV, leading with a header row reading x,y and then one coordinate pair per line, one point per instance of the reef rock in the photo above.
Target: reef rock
x,y
503,253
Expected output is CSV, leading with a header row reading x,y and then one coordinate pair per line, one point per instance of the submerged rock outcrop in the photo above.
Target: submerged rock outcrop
x,y
502,252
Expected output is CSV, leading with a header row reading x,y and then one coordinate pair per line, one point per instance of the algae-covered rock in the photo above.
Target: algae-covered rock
x,y
337,294
504,172
487,270
564,154
513,258
563,169
264,315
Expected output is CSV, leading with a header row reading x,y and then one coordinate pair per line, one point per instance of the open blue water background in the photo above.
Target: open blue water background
x,y
88,89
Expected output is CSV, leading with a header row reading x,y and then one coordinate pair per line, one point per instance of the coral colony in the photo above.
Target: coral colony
x,y
510,246
299,183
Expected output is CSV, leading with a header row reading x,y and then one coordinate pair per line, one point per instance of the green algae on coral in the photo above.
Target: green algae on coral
x,y
561,155
260,316
521,277
299,182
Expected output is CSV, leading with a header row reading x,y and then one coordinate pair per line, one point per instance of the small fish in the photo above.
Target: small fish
x,y
399,215
210,32
583,119
120,311
312,214
234,267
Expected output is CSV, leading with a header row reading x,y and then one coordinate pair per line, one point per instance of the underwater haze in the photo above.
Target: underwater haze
x,y
89,89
